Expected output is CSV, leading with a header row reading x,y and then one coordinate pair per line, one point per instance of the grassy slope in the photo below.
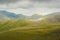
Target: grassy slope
x,y
25,30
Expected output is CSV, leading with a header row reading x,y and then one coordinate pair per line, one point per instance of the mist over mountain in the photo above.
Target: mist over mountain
x,y
9,15
53,17
35,16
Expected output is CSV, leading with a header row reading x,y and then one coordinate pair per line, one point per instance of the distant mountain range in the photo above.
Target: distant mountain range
x,y
53,17
5,15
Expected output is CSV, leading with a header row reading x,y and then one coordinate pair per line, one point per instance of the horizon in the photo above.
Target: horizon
x,y
27,15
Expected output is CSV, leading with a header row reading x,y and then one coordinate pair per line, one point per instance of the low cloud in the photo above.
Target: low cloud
x,y
8,1
30,3
31,6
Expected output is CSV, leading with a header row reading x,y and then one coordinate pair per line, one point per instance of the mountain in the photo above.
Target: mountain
x,y
52,18
20,16
9,15
3,17
35,16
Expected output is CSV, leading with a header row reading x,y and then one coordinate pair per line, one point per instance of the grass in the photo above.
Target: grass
x,y
26,30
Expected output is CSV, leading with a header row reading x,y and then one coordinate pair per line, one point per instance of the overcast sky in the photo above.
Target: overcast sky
x,y
29,7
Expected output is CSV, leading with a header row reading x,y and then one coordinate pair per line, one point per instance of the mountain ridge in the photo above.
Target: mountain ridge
x,y
9,15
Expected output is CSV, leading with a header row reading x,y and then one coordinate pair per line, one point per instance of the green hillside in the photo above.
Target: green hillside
x,y
28,30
